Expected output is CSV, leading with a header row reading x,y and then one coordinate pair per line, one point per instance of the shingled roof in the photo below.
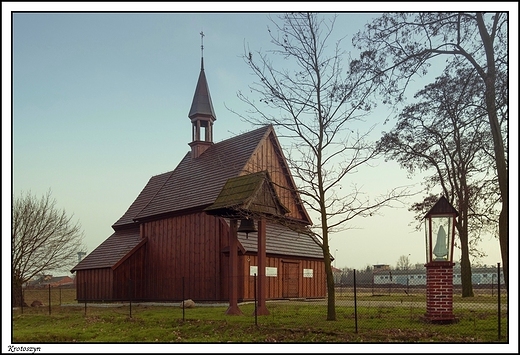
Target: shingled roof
x,y
201,104
281,240
190,185
112,250
251,192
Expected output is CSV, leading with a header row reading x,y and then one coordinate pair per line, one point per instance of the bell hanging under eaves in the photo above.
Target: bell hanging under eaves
x,y
247,225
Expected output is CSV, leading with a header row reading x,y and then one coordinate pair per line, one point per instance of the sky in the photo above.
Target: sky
x,y
100,104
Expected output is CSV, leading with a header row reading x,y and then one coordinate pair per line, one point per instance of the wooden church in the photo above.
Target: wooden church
x,y
180,238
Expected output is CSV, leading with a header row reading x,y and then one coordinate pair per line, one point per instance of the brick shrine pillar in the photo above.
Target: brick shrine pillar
x,y
439,292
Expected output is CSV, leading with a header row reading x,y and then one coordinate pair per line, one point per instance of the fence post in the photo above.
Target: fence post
x,y
372,283
130,295
254,290
49,299
84,293
355,301
499,307
183,311
390,286
492,283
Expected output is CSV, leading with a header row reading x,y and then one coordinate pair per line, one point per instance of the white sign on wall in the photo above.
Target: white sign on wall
x,y
269,271
308,273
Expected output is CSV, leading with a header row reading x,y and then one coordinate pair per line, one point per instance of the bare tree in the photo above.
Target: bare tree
x,y
399,46
43,239
320,110
443,134
403,263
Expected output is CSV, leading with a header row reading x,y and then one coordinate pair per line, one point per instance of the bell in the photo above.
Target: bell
x,y
247,226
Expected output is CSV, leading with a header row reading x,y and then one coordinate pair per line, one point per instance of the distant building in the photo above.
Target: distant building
x,y
381,267
336,273
382,274
46,280
479,276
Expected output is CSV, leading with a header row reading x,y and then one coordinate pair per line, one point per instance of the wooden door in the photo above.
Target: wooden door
x,y
290,280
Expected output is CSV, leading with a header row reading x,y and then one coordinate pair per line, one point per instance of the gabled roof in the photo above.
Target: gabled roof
x,y
112,250
250,193
195,183
442,206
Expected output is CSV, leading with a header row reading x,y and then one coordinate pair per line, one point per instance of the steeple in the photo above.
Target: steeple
x,y
201,113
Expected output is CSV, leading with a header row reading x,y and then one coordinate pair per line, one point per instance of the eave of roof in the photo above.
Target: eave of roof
x,y
442,206
111,251
282,240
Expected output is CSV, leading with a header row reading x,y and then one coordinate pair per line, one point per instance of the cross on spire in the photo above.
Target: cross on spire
x,y
201,50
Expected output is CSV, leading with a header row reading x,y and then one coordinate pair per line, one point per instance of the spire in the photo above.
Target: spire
x,y
202,104
201,113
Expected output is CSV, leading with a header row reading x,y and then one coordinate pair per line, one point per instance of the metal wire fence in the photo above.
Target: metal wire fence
x,y
368,302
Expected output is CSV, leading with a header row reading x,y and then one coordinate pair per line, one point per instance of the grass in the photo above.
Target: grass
x,y
288,322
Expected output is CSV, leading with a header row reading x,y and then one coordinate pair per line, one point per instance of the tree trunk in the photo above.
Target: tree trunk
x,y
462,228
331,293
504,242
503,224
17,290
465,271
500,158
331,296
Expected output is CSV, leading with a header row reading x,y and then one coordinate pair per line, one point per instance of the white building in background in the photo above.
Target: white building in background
x,y
479,276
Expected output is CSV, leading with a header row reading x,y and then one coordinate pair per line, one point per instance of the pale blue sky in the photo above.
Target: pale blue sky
x,y
100,104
